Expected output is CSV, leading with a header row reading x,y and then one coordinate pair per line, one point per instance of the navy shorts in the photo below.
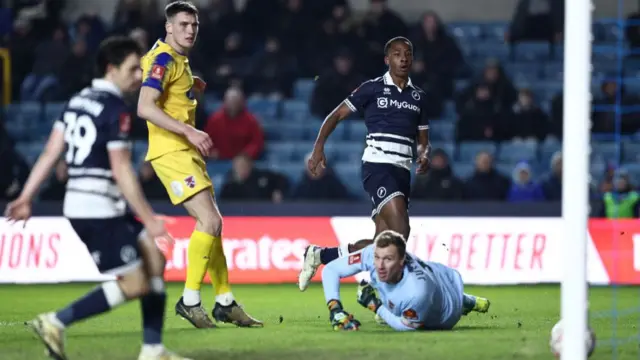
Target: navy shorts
x,y
383,182
113,243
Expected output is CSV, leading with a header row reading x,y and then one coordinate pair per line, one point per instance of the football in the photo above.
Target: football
x,y
556,340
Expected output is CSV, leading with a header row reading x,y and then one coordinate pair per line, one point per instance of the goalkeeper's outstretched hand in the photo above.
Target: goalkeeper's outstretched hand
x,y
368,297
340,319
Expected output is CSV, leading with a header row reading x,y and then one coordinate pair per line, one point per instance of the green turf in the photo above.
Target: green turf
x,y
517,327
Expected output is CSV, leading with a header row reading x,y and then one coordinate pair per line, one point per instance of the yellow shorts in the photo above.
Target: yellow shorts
x,y
183,173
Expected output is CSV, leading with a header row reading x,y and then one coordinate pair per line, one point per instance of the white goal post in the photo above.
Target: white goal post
x,y
575,175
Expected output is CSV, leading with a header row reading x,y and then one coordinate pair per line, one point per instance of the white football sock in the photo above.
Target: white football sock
x,y
152,350
191,297
225,299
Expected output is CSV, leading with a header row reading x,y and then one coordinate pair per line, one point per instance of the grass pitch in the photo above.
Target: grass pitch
x,y
297,327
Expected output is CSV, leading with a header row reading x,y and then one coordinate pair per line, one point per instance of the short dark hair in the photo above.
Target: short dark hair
x,y
177,7
396,39
114,51
390,237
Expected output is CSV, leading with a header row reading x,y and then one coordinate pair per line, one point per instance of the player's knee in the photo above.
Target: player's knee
x,y
210,225
134,284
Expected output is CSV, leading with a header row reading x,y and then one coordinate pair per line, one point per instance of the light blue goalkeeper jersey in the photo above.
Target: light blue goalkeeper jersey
x,y
429,296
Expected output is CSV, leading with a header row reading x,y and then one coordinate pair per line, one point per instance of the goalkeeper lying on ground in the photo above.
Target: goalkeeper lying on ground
x,y
407,293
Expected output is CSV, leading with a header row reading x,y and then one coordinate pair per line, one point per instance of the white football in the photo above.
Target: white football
x,y
556,340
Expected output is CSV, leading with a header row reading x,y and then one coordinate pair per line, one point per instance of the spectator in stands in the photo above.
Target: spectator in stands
x,y
606,184
234,130
335,85
141,36
90,29
502,89
632,32
438,58
379,25
335,33
230,64
552,184
246,183
537,20
50,57
523,187
14,170
57,183
76,72
486,183
527,122
272,72
21,44
151,185
261,14
439,183
624,203
478,118
292,25
557,116
325,186
220,19
131,14
605,115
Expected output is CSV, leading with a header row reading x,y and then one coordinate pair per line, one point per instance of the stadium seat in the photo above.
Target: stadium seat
x,y
280,151
463,170
465,32
211,104
491,50
605,151
217,171
53,112
295,110
612,32
346,151
553,71
139,151
495,31
514,152
448,147
505,169
303,88
467,151
350,176
285,131
631,152
292,170
263,108
449,111
357,130
21,119
532,51
442,130
30,150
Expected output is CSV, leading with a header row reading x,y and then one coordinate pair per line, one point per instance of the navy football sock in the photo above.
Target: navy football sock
x,y
153,307
327,255
468,301
98,301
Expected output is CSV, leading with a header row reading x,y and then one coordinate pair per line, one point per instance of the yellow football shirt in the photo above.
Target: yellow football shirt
x,y
168,71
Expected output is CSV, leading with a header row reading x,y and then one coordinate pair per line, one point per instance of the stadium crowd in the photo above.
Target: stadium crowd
x,y
276,68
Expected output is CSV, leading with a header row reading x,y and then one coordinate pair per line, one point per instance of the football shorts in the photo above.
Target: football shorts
x,y
183,174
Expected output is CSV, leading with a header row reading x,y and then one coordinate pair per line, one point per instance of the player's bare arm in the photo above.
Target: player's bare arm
x,y
20,209
150,111
125,177
328,126
424,148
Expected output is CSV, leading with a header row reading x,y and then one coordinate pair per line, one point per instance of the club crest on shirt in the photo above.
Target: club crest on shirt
x,y
190,181
410,314
157,72
355,259
125,123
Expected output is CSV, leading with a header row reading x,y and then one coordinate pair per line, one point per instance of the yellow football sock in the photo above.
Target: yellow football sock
x,y
198,255
218,271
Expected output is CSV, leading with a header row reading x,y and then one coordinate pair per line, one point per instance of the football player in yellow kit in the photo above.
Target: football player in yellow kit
x,y
176,151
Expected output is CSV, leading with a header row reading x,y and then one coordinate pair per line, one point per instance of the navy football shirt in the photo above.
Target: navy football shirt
x,y
393,117
94,121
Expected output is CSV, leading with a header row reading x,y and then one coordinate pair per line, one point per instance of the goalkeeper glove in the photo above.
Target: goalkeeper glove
x,y
368,298
340,319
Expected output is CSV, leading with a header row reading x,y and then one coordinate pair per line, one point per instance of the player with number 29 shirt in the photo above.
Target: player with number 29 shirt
x,y
93,132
